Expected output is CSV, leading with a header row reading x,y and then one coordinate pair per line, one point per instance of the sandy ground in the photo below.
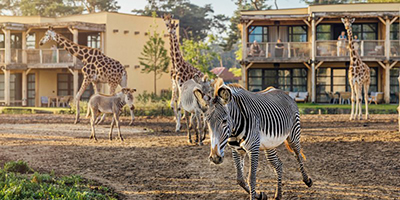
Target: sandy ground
x,y
346,160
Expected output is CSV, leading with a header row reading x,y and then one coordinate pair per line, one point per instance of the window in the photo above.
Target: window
x,y
259,33
16,40
2,39
2,87
285,79
65,86
365,31
30,41
93,40
394,32
336,80
324,32
297,34
394,85
31,89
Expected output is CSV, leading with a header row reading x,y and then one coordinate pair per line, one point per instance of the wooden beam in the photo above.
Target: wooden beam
x,y
27,31
248,24
393,64
307,65
27,71
319,64
382,65
381,19
393,20
319,20
70,70
306,22
248,66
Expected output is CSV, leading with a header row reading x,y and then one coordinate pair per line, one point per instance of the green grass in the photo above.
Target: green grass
x,y
32,110
18,182
310,108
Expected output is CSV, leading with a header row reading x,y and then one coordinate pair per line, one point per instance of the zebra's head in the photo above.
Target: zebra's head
x,y
219,121
50,35
128,97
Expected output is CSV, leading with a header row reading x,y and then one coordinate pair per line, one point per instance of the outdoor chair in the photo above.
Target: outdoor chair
x,y
345,97
333,98
44,101
376,97
64,101
293,94
302,97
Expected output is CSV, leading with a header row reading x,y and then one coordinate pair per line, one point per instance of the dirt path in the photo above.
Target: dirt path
x,y
346,160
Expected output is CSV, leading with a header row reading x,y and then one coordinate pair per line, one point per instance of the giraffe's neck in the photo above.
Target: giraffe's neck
x,y
172,53
75,49
351,45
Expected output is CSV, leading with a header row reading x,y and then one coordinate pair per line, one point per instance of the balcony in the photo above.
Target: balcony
x,y
333,50
278,52
16,56
395,49
48,57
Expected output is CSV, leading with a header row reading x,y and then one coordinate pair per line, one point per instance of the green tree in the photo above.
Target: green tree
x,y
199,54
154,56
236,71
93,6
196,22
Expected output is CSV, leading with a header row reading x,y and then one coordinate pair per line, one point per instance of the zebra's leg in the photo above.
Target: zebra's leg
x,y
276,163
116,119
111,129
238,158
187,127
204,126
92,123
295,145
253,172
198,128
85,83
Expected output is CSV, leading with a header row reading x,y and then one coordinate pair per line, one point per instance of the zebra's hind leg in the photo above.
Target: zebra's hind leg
x,y
296,147
276,163
187,127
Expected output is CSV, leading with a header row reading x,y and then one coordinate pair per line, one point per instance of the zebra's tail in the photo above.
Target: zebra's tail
x,y
291,150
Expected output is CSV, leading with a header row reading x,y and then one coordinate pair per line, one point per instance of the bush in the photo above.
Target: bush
x,y
47,186
17,167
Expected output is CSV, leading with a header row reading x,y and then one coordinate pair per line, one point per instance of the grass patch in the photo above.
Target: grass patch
x,y
15,183
33,110
310,108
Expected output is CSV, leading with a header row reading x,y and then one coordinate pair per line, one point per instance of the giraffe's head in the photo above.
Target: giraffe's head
x,y
171,25
347,22
167,19
50,35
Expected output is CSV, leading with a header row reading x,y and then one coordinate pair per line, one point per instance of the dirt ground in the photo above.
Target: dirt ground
x,y
346,160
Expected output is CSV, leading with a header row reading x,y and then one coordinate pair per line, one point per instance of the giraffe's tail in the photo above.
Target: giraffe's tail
x,y
291,150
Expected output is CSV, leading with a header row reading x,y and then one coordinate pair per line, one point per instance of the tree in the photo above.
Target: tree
x,y
199,54
236,71
154,56
56,8
196,22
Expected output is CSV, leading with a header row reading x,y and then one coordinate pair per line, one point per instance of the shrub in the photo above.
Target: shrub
x,y
17,167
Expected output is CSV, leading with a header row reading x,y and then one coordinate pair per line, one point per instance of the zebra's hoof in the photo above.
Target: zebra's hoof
x,y
122,139
190,141
131,123
308,182
76,122
263,196
200,143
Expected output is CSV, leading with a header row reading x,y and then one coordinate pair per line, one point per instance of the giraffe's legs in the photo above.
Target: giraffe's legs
x,y
366,88
353,94
85,83
359,97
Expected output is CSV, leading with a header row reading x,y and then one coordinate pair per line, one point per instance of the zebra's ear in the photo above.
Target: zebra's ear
x,y
199,98
225,94
125,90
133,90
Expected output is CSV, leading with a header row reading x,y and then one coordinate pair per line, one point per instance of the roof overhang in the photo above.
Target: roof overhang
x,y
75,25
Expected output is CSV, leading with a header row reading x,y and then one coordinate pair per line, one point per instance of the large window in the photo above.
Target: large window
x,y
394,31
324,32
65,86
336,80
31,89
365,31
297,34
31,41
1,86
259,33
93,40
394,85
285,79
16,40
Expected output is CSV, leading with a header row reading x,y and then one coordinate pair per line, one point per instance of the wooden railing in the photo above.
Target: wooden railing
x,y
278,51
334,48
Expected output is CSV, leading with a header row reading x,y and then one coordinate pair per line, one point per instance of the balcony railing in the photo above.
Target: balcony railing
x,y
48,56
334,48
395,48
2,55
295,51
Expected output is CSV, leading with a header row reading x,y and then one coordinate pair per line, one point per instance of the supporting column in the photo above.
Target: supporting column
x,y
75,40
76,82
7,46
24,88
24,55
386,91
7,79
244,54
387,39
102,42
313,83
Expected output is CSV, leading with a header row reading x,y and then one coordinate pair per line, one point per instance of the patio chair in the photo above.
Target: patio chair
x,y
333,98
376,97
44,101
345,97
293,94
302,97
64,101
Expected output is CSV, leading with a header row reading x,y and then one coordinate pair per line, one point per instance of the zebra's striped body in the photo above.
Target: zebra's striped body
x,y
250,122
100,103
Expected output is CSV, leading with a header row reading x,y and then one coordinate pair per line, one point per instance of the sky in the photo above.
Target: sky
x,y
220,6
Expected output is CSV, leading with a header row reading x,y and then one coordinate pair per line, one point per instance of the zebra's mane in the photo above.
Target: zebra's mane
x,y
235,85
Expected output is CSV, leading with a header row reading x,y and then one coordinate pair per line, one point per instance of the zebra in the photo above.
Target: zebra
x,y
101,103
249,122
191,88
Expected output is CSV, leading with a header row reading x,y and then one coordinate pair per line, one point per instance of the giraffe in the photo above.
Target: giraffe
x,y
97,67
359,75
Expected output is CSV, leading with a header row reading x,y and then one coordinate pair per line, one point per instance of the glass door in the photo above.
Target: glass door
x,y
31,90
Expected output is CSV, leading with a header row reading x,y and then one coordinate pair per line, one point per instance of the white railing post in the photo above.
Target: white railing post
x,y
289,55
41,56
362,47
266,49
58,55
